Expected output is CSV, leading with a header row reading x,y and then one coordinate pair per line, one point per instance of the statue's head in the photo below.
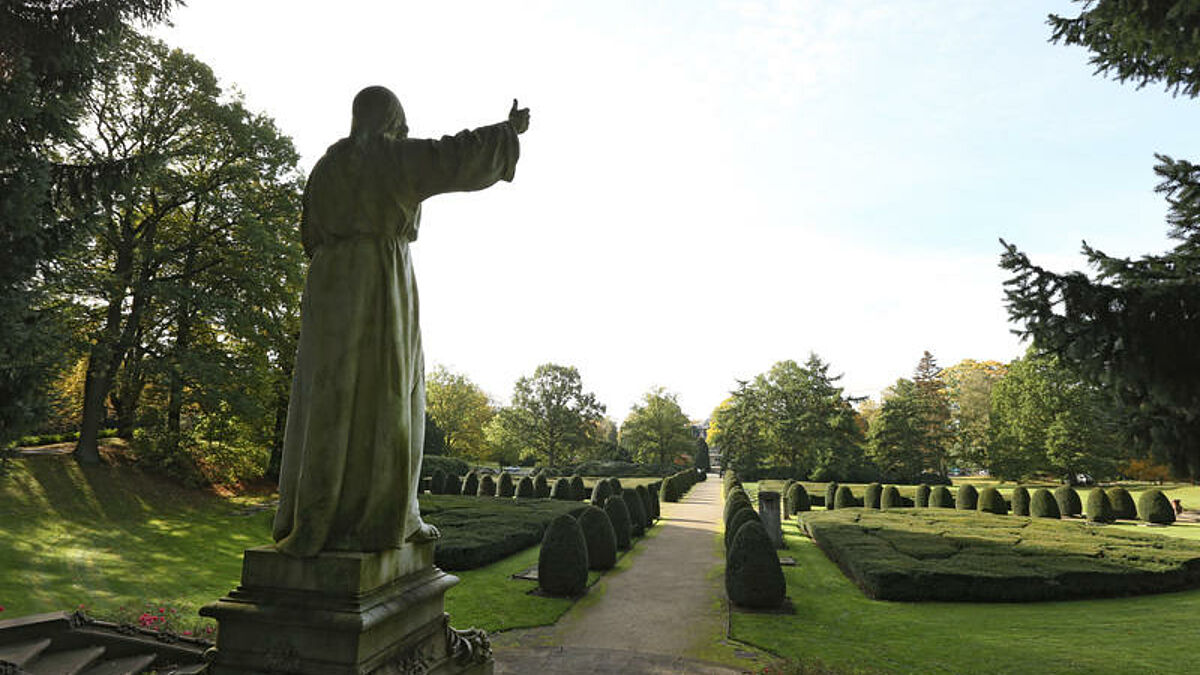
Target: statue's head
x,y
377,112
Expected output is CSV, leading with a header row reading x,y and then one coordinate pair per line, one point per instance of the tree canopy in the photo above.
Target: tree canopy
x,y
461,409
656,430
551,413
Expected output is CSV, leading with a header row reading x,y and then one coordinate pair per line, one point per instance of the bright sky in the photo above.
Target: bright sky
x,y
707,188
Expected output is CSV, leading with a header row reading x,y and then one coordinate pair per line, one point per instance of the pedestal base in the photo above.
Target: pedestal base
x,y
343,613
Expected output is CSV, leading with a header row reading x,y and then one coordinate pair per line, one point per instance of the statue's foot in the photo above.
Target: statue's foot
x,y
424,534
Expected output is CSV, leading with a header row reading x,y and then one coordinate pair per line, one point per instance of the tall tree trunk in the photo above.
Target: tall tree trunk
x,y
103,361
183,342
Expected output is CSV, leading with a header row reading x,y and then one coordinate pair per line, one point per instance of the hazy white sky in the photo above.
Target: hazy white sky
x,y
710,187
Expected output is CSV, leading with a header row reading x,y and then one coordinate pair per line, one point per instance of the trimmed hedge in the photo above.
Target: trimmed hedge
x,y
562,490
1068,501
644,495
753,577
1123,505
891,498
450,466
967,498
922,498
541,487
600,537
600,493
478,532
1154,507
614,485
452,486
740,517
845,498
578,489
637,512
1099,508
655,506
831,491
872,495
1020,501
487,486
797,499
618,514
1044,505
676,485
991,501
563,560
525,488
736,496
470,484
506,487
437,485
939,497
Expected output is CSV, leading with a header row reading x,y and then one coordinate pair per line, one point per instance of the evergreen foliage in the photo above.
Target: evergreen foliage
x,y
891,498
618,515
578,490
1154,507
437,483
1069,504
967,499
487,486
1099,508
506,487
737,497
1044,505
872,495
644,496
831,490
563,559
453,485
845,498
1020,501
753,577
1123,505
600,493
541,487
600,537
798,499
614,485
739,518
922,497
939,497
637,512
655,506
470,484
525,488
562,490
991,501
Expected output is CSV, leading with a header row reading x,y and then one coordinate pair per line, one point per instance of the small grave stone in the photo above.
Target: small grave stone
x,y
769,511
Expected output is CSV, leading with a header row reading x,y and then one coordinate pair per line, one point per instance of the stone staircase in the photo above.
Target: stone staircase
x,y
62,643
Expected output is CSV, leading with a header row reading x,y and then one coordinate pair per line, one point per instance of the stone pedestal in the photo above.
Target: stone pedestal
x,y
343,613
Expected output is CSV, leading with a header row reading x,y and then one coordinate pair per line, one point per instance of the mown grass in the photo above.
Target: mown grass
x,y
836,625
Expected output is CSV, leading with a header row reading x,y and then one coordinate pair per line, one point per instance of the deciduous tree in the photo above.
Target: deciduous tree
x,y
461,410
556,414
656,430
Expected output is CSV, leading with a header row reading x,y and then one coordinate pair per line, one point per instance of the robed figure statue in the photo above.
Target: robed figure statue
x,y
351,466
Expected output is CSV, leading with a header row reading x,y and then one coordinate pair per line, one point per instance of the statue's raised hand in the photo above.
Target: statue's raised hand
x,y
518,118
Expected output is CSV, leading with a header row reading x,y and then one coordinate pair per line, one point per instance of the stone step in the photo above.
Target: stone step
x,y
21,653
67,662
129,665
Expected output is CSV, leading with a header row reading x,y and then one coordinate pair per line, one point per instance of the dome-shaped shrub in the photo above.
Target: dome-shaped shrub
x,y
655,506
872,495
541,487
890,499
1122,504
967,498
1020,501
736,496
644,494
922,497
562,490
600,537
739,518
991,501
845,498
505,487
637,512
618,514
753,577
798,499
1044,505
452,486
437,482
563,560
614,485
578,489
525,488
939,497
470,484
831,491
1154,507
1099,508
600,493
1068,500
487,486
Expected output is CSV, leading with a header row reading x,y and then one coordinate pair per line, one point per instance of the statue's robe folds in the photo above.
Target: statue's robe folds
x,y
351,466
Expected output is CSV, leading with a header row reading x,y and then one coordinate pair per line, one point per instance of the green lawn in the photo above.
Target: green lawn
x,y
835,624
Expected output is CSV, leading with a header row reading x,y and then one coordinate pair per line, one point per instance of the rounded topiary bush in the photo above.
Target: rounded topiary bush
x,y
1044,505
872,496
525,488
831,491
991,501
541,487
487,486
1154,507
600,493
506,487
562,490
618,514
614,485
798,499
437,482
644,495
578,489
601,538
1122,504
1068,500
470,484
845,498
967,498
739,518
753,577
922,497
563,560
655,506
1099,508
890,499
939,497
737,496
1020,501
637,512
452,486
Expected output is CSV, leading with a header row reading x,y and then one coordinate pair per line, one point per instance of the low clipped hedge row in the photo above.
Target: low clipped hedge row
x,y
478,532
675,486
753,575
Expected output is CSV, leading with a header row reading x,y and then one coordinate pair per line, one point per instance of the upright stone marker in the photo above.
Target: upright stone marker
x,y
350,586
769,512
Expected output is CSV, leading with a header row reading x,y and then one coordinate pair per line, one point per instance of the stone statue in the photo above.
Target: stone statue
x,y
351,466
